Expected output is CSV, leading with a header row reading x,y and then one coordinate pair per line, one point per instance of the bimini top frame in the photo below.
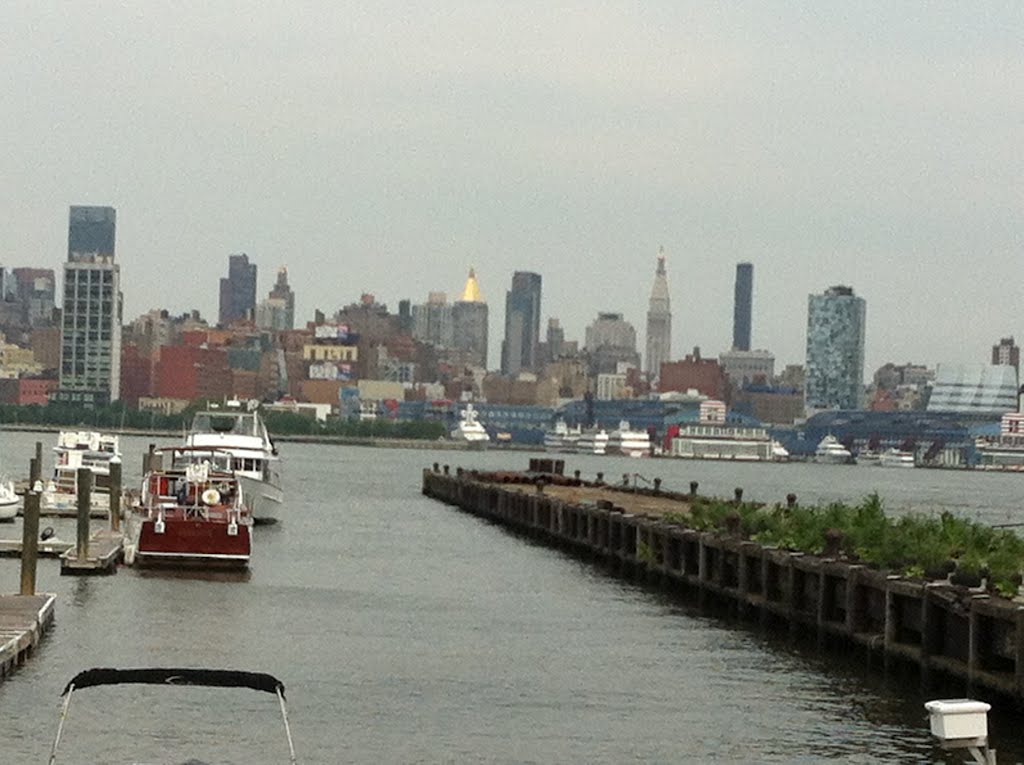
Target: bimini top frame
x,y
219,678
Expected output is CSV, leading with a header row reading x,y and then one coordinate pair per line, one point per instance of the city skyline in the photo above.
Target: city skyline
x,y
876,149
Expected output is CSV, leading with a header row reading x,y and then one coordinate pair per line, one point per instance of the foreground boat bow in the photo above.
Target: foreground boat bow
x,y
216,678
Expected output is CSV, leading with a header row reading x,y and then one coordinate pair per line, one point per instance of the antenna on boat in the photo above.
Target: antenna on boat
x,y
962,724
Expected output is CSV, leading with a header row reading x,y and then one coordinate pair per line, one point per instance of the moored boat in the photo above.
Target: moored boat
x,y
562,438
896,458
193,513
80,449
469,429
592,441
254,459
629,442
8,501
831,452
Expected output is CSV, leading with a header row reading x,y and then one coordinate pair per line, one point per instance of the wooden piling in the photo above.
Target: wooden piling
x,y
84,486
29,542
35,469
115,494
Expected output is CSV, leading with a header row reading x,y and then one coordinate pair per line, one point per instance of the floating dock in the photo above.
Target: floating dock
x,y
105,551
23,621
963,633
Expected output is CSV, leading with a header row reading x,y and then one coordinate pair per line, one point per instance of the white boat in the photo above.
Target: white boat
x,y
469,428
896,458
831,452
241,432
629,442
80,449
8,501
779,452
713,441
592,442
562,438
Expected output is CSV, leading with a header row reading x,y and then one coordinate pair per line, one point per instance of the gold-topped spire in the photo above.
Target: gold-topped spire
x,y
472,292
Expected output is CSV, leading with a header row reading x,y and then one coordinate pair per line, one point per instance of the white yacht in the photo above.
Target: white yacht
x,y
241,432
562,438
592,442
469,429
80,449
896,458
629,442
831,452
8,501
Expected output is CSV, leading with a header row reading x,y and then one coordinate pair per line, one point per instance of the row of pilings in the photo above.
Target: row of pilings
x,y
939,627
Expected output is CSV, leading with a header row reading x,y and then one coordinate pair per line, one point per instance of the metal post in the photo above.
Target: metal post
x,y
84,486
115,494
30,542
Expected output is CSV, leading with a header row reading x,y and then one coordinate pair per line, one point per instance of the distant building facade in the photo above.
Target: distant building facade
x,y
610,341
90,356
283,299
835,350
743,296
432,321
659,322
237,290
1007,353
745,367
522,324
979,389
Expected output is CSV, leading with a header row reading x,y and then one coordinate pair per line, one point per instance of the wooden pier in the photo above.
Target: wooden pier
x,y
966,634
50,548
23,620
104,551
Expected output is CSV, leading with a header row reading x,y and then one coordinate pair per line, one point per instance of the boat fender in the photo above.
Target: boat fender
x,y
211,497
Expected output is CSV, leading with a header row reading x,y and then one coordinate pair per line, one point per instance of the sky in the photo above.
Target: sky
x,y
388,147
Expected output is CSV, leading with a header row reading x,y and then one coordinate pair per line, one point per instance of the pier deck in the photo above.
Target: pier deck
x,y
23,620
106,550
50,548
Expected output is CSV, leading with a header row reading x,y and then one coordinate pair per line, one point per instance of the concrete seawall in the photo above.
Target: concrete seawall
x,y
939,627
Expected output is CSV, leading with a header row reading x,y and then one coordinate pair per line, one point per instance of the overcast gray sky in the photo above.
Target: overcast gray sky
x,y
386,147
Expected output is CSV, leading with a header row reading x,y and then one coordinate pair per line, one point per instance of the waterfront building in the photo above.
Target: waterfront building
x,y
742,303
835,350
237,290
283,298
1007,353
694,373
659,322
522,324
90,355
469,323
982,390
612,386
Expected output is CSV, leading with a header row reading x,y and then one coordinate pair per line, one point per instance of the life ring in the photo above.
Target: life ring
x,y
211,497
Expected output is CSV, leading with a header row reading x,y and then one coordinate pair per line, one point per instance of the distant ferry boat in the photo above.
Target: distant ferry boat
x,y
629,442
726,442
562,438
592,442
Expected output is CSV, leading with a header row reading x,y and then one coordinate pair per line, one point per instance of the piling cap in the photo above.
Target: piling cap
x,y
957,706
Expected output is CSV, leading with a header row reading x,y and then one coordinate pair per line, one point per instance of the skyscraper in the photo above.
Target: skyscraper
x,y
742,299
237,290
659,322
522,324
432,321
282,291
835,350
90,354
469,322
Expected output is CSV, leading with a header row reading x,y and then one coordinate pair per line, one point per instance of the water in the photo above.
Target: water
x,y
406,631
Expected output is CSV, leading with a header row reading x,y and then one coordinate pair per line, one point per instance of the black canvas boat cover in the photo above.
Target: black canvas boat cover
x,y
222,678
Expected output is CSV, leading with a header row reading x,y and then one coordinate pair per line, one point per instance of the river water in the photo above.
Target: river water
x,y
408,632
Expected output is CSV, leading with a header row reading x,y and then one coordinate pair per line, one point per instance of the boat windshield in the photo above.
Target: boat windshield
x,y
239,424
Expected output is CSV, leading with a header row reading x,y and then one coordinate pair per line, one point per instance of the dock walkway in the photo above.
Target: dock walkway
x,y
23,621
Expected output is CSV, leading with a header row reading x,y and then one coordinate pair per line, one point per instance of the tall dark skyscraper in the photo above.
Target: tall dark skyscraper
x,y
237,290
659,322
742,306
522,324
90,357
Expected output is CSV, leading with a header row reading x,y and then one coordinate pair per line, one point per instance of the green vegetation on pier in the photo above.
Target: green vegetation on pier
x,y
915,544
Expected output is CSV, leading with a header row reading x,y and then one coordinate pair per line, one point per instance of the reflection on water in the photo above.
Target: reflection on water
x,y
407,631
191,575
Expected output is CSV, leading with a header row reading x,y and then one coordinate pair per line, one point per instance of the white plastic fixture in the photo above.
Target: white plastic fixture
x,y
953,719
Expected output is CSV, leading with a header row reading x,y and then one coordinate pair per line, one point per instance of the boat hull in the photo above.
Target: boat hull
x,y
263,498
9,511
194,543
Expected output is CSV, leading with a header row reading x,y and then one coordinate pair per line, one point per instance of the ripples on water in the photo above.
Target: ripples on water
x,y
408,632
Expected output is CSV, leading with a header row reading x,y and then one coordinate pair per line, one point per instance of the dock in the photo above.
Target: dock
x,y
105,551
50,548
963,633
23,621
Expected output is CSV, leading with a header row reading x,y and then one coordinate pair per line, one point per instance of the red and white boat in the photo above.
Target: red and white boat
x,y
192,512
